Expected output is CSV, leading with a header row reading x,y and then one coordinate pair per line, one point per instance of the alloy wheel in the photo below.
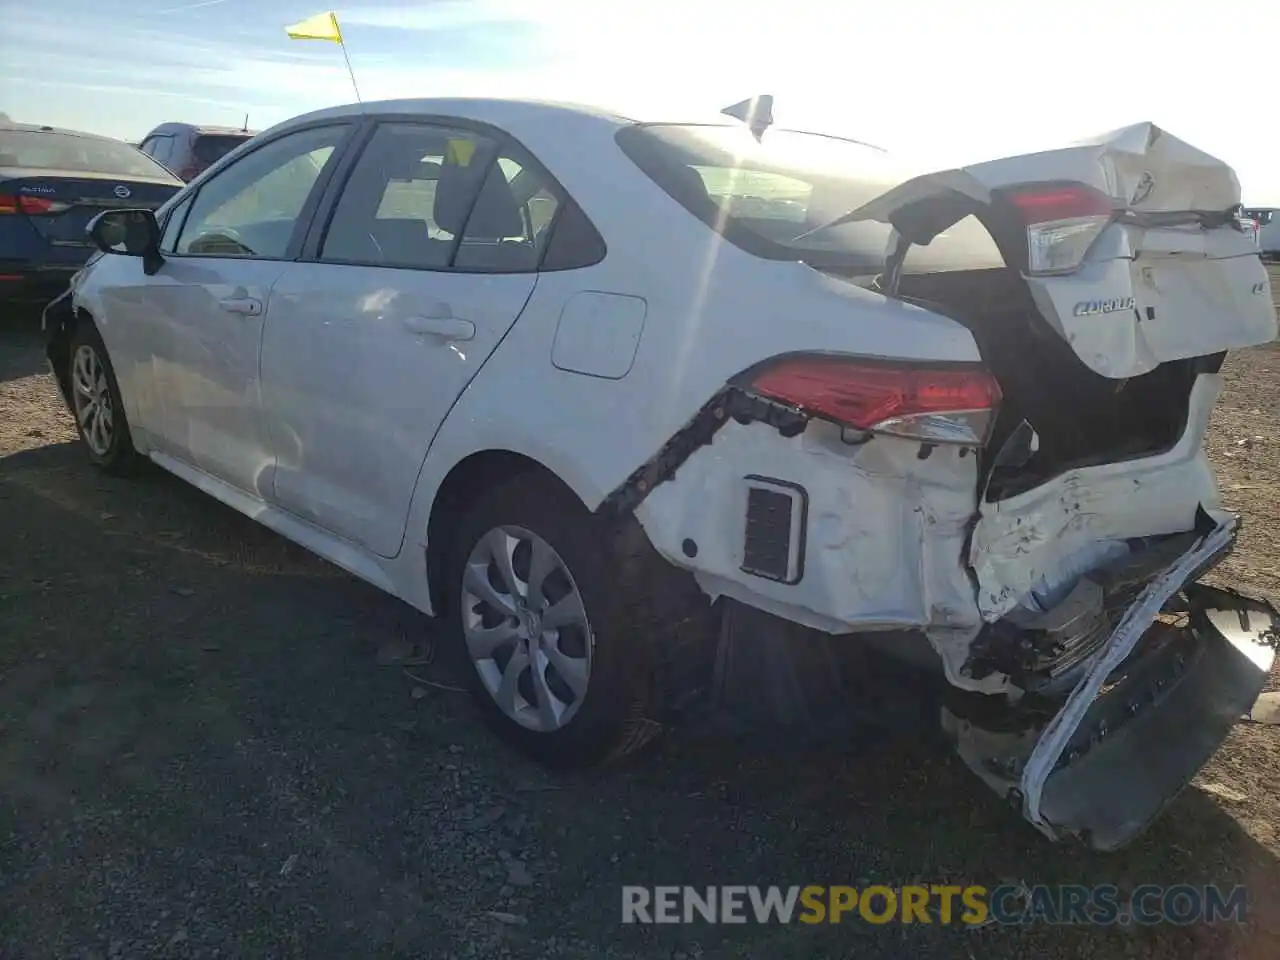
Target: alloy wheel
x,y
92,399
526,628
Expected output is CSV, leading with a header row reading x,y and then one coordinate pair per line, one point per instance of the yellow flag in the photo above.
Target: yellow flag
x,y
323,26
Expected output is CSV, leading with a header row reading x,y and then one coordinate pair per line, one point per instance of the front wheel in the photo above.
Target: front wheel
x,y
538,614
96,403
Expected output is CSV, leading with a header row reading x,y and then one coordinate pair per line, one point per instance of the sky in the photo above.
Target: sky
x,y
939,83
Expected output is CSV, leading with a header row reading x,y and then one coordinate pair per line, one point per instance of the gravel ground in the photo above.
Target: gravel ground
x,y
200,756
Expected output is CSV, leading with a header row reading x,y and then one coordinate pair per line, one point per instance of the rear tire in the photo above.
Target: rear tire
x,y
96,404
594,698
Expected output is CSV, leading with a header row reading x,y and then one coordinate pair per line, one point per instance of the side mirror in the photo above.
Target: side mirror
x,y
130,233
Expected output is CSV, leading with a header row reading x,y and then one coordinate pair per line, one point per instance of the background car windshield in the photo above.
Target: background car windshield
x,y
210,148
45,150
766,195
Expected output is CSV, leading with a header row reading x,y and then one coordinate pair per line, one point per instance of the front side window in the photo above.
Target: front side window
x,y
771,196
173,224
51,150
252,208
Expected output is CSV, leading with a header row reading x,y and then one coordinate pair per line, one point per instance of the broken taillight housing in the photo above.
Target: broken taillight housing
x,y
934,404
1062,222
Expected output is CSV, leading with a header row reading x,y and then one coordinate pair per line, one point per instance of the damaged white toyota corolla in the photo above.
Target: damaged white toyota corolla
x,y
601,392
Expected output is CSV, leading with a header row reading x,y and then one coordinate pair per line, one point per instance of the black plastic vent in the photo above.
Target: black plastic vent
x,y
773,537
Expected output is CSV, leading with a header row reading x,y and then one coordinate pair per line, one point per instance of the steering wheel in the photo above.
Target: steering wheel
x,y
219,240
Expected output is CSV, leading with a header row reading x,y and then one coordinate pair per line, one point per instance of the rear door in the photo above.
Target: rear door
x,y
1130,244
427,258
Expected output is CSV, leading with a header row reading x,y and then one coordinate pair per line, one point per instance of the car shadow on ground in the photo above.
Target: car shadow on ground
x,y
199,751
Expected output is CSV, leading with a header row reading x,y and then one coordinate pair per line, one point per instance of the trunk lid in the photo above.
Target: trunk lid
x,y
59,204
1165,272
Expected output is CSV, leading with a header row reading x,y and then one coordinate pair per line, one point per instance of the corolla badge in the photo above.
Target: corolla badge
x,y
1092,308
122,192
1146,183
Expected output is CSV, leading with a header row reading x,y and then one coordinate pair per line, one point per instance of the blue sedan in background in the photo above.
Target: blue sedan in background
x,y
52,183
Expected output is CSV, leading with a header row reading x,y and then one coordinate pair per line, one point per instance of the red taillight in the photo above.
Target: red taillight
x,y
938,405
31,206
1041,205
1062,222
40,207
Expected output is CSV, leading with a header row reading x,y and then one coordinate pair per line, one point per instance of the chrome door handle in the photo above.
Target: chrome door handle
x,y
446,328
248,306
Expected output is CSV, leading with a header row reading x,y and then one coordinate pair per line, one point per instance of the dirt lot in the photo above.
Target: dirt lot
x,y
201,756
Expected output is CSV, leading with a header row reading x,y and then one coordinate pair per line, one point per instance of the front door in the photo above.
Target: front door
x,y
212,298
429,257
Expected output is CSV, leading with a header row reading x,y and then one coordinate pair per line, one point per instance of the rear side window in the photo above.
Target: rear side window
x,y
574,241
434,198
408,197
50,150
209,148
510,222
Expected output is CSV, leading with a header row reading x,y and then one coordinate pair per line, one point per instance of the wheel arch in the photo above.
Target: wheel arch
x,y
466,481
62,320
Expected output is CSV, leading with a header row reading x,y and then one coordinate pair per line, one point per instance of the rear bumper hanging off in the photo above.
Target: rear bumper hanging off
x,y
1138,726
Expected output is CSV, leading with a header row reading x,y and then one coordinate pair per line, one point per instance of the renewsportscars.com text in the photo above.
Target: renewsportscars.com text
x,y
971,905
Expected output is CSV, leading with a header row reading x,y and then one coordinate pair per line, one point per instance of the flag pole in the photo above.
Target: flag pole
x,y
352,73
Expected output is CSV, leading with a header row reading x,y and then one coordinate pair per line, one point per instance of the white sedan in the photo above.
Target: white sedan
x,y
647,410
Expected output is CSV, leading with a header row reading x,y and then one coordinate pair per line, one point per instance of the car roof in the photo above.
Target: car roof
x,y
488,109
43,128
200,129
509,114
525,116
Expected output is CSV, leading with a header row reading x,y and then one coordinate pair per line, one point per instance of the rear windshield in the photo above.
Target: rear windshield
x,y
46,150
212,147
766,195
